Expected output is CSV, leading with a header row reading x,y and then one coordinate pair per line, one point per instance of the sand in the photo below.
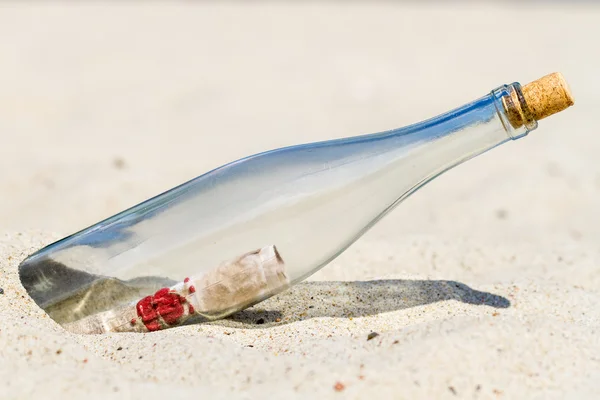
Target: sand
x,y
484,284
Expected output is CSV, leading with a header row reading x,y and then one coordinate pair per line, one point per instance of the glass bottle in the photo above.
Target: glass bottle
x,y
303,204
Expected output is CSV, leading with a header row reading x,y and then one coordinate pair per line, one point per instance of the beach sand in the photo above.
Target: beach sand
x,y
484,284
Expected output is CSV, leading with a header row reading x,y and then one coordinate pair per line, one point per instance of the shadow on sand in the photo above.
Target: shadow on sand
x,y
355,299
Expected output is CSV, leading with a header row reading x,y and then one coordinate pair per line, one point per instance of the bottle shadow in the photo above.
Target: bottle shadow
x,y
355,299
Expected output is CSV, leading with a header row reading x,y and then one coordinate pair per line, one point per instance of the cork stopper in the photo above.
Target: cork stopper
x,y
548,95
538,100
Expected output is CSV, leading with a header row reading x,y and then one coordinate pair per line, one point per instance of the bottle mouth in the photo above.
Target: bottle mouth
x,y
517,111
515,114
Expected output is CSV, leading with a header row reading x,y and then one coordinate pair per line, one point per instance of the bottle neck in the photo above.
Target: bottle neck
x,y
460,134
503,114
423,151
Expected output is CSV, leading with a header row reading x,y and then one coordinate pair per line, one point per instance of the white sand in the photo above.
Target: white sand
x,y
485,284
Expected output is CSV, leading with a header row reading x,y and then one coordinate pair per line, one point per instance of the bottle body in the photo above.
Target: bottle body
x,y
310,201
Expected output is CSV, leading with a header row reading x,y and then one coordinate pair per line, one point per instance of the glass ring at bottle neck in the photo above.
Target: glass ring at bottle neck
x,y
513,110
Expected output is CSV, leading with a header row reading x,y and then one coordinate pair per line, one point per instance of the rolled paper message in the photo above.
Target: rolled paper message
x,y
231,286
